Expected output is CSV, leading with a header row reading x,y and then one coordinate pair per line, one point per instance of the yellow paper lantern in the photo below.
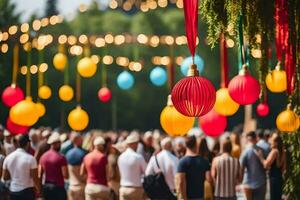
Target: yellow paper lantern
x,y
24,113
41,110
60,61
44,92
225,105
287,121
66,93
276,80
86,67
173,122
78,119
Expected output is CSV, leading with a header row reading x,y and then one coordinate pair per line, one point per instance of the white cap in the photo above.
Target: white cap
x,y
63,137
148,134
6,133
165,141
132,138
99,141
54,137
45,133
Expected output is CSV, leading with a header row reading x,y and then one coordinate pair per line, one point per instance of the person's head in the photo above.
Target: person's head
x,y
276,142
108,143
54,141
203,148
148,138
23,141
251,137
191,143
179,145
216,148
33,135
99,144
132,141
77,139
7,136
166,143
1,133
260,134
45,134
226,146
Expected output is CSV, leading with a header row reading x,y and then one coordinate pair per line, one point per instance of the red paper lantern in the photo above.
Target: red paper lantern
x,y
12,95
243,88
104,94
213,124
193,96
15,128
262,109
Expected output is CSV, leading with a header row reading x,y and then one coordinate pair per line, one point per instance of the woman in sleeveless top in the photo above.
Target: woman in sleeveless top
x,y
226,174
276,164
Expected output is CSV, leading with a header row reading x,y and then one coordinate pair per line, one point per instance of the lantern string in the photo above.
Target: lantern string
x,y
224,62
61,48
40,74
86,51
78,86
15,64
28,84
170,68
191,23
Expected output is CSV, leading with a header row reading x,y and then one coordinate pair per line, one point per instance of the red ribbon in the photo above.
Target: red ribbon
x,y
191,23
290,68
282,29
224,62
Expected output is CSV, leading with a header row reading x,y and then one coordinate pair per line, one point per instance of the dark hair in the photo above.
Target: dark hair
x,y
22,140
279,142
238,129
251,134
227,146
260,133
190,142
203,148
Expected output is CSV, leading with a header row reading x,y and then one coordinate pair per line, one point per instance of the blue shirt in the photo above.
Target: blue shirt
x,y
194,168
264,146
255,175
75,156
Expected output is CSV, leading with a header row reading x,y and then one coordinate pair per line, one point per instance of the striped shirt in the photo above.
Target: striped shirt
x,y
227,169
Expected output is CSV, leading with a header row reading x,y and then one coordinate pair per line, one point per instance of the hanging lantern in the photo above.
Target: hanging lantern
x,y
158,76
262,109
41,110
224,104
15,128
44,92
287,121
193,96
276,80
66,93
12,95
104,94
86,67
24,113
213,124
173,122
188,61
78,119
243,88
125,80
60,61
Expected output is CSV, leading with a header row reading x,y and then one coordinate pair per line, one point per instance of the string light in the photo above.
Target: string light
x,y
4,48
108,59
33,69
95,58
62,39
24,27
229,43
23,70
99,42
83,39
109,38
13,30
43,67
119,39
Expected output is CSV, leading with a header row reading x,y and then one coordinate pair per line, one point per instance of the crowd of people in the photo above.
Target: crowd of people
x,y
54,165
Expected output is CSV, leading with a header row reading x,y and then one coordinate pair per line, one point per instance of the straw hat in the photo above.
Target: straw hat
x,y
132,138
54,137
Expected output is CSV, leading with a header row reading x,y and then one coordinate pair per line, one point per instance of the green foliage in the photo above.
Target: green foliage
x,y
51,8
7,14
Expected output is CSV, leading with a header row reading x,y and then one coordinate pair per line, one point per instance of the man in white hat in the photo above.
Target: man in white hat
x,y
132,167
95,166
7,144
53,170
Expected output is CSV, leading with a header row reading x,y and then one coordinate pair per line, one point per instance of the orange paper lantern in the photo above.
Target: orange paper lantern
x,y
287,121
276,80
225,105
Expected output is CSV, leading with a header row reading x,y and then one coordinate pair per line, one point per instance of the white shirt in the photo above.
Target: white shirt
x,y
19,163
132,167
168,164
8,147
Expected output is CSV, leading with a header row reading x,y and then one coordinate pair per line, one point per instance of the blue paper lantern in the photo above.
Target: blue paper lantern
x,y
125,80
188,61
158,76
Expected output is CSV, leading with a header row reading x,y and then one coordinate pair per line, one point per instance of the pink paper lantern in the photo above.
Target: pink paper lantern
x,y
262,109
243,88
194,96
213,124
12,95
104,94
15,128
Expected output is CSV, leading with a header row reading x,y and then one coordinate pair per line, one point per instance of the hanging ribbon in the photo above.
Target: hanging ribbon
x,y
191,23
241,40
290,68
15,65
224,62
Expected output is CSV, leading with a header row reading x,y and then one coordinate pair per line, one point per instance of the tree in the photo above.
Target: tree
x,y
51,8
7,15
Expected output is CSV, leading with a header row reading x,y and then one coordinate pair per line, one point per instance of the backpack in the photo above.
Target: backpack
x,y
155,186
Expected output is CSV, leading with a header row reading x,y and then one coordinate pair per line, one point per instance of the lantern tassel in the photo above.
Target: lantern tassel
x,y
15,65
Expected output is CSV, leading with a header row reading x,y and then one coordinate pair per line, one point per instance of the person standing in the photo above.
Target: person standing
x,y
262,143
7,144
254,182
226,174
95,166
53,169
43,145
21,168
132,167
192,172
276,163
74,158
145,147
167,162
